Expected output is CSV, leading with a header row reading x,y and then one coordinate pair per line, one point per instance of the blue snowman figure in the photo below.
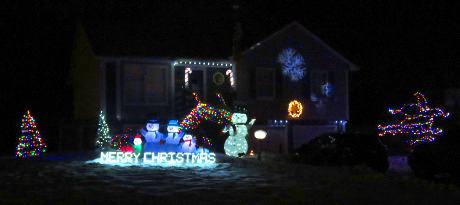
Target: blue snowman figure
x,y
174,136
152,136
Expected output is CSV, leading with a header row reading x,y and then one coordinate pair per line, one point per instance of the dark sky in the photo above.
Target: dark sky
x,y
400,47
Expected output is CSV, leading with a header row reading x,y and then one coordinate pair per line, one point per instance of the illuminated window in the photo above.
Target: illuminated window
x,y
145,84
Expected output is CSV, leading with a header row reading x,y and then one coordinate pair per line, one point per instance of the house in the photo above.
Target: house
x,y
291,64
320,84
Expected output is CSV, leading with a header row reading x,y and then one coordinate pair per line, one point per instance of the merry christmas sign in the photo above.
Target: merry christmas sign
x,y
158,157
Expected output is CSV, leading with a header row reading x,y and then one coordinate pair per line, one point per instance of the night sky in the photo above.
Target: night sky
x,y
399,47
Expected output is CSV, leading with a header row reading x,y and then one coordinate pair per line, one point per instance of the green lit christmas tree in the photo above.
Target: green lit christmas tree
x,y
103,137
30,143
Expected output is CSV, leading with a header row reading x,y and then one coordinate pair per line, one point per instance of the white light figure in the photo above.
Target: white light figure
x,y
293,64
236,142
188,144
188,71
229,73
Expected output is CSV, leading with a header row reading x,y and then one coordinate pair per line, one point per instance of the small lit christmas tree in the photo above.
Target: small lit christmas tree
x,y
103,137
417,122
30,143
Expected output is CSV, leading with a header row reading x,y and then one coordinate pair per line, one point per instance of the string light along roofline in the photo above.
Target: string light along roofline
x,y
185,62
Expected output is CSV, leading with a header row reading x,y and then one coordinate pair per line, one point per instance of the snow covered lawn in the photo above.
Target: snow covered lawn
x,y
245,181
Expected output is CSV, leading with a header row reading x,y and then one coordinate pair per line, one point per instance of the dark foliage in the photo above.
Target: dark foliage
x,y
440,159
345,149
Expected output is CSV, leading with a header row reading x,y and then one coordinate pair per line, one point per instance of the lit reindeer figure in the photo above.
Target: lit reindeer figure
x,y
203,111
417,122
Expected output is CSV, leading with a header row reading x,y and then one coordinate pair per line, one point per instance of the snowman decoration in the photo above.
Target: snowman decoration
x,y
188,144
152,135
236,142
137,144
174,136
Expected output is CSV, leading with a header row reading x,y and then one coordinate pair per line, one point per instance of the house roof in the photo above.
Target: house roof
x,y
162,41
353,67
142,45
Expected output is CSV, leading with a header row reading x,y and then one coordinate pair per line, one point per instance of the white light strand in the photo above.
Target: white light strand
x,y
220,64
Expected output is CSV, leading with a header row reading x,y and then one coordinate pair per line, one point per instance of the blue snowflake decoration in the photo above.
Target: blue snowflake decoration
x,y
327,89
293,64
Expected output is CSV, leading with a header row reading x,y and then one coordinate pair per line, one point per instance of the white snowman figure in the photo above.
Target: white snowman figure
x,y
236,142
188,144
152,135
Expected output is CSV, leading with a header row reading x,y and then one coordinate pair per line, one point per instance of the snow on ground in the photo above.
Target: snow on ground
x,y
241,181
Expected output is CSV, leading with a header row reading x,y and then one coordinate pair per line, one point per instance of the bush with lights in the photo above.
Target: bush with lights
x,y
123,142
416,123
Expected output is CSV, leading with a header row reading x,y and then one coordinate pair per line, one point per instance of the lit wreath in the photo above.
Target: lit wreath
x,y
218,78
295,109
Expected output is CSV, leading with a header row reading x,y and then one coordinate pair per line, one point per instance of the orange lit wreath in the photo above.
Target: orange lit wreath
x,y
295,109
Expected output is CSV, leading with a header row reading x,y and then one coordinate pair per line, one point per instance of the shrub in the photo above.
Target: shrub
x,y
345,149
440,158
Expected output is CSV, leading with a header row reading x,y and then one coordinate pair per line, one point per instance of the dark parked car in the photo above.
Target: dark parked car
x,y
345,149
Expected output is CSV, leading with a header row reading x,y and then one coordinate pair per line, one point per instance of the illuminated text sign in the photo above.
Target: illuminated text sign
x,y
159,157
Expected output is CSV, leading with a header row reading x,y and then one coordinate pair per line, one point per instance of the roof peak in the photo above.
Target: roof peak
x,y
307,32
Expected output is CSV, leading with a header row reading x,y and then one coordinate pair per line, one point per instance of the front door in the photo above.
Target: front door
x,y
196,83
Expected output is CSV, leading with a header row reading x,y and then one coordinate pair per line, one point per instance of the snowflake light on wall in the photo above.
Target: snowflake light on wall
x,y
327,89
293,64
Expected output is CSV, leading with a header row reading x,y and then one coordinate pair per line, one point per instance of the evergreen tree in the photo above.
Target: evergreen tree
x,y
30,143
103,137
